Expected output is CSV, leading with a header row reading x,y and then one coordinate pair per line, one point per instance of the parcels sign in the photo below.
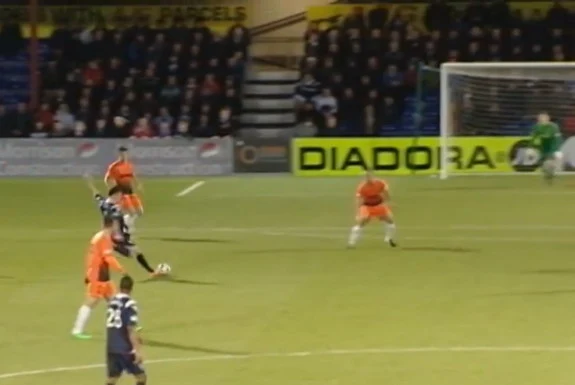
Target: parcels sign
x,y
218,17
403,156
153,157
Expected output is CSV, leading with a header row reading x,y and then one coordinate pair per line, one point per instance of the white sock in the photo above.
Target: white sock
x,y
81,319
389,231
130,220
354,235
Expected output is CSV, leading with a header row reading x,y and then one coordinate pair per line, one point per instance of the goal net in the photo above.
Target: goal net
x,y
487,111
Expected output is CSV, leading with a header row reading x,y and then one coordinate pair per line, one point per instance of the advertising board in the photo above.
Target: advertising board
x,y
152,157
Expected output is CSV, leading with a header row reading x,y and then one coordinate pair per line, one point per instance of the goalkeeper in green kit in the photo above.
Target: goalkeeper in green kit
x,y
546,138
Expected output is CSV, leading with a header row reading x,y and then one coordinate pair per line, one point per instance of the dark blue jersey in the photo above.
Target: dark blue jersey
x,y
110,209
122,314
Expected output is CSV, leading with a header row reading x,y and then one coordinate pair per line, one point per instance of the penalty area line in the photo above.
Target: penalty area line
x,y
317,353
191,188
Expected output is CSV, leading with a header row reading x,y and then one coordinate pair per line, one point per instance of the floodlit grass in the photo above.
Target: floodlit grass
x,y
480,291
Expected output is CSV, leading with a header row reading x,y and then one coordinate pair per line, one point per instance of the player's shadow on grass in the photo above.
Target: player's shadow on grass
x,y
552,272
180,281
188,348
430,249
189,240
534,293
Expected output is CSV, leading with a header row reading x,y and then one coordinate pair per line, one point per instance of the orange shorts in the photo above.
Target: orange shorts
x,y
101,289
379,211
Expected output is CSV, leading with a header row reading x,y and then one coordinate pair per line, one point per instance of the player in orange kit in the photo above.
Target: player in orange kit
x,y
121,173
371,197
99,262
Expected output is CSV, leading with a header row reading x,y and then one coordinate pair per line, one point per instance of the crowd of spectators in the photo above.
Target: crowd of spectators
x,y
136,81
359,73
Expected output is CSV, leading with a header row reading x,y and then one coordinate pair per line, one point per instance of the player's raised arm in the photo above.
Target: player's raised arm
x,y
90,182
137,181
108,177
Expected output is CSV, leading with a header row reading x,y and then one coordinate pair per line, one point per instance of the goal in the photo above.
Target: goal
x,y
487,111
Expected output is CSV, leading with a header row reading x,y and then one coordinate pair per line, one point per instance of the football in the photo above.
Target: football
x,y
164,268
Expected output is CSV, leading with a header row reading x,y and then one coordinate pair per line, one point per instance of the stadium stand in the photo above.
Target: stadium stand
x,y
369,62
126,79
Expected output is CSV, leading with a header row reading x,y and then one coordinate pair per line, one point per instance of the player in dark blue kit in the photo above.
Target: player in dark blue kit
x,y
124,347
123,245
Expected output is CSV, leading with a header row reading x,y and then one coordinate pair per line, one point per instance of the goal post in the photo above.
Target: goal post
x,y
490,107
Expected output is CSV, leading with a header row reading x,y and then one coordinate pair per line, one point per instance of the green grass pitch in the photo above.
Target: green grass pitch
x,y
481,290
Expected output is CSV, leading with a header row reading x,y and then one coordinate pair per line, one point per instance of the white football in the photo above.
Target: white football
x,y
164,268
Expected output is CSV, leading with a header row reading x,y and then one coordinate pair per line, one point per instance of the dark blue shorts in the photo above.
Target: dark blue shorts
x,y
123,248
119,363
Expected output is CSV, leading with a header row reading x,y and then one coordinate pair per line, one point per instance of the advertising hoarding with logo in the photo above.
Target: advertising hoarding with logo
x,y
263,150
403,156
152,157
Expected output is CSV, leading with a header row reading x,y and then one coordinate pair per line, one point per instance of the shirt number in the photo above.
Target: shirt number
x,y
114,319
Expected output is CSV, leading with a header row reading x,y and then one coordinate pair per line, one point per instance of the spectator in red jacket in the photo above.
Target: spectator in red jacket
x,y
45,117
93,74
210,86
143,129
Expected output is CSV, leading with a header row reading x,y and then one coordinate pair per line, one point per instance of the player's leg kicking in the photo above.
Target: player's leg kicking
x,y
366,213
95,292
130,250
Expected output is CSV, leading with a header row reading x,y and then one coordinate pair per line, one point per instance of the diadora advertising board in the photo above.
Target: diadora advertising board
x,y
404,156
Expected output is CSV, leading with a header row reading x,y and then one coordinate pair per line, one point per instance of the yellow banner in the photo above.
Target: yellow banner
x,y
218,17
403,156
329,14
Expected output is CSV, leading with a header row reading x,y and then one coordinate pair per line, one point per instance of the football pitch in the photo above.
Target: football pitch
x,y
480,291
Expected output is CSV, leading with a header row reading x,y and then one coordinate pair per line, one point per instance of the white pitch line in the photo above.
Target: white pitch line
x,y
437,194
193,187
332,352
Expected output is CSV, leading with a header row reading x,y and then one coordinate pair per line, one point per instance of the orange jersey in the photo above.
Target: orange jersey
x,y
101,259
122,172
371,193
